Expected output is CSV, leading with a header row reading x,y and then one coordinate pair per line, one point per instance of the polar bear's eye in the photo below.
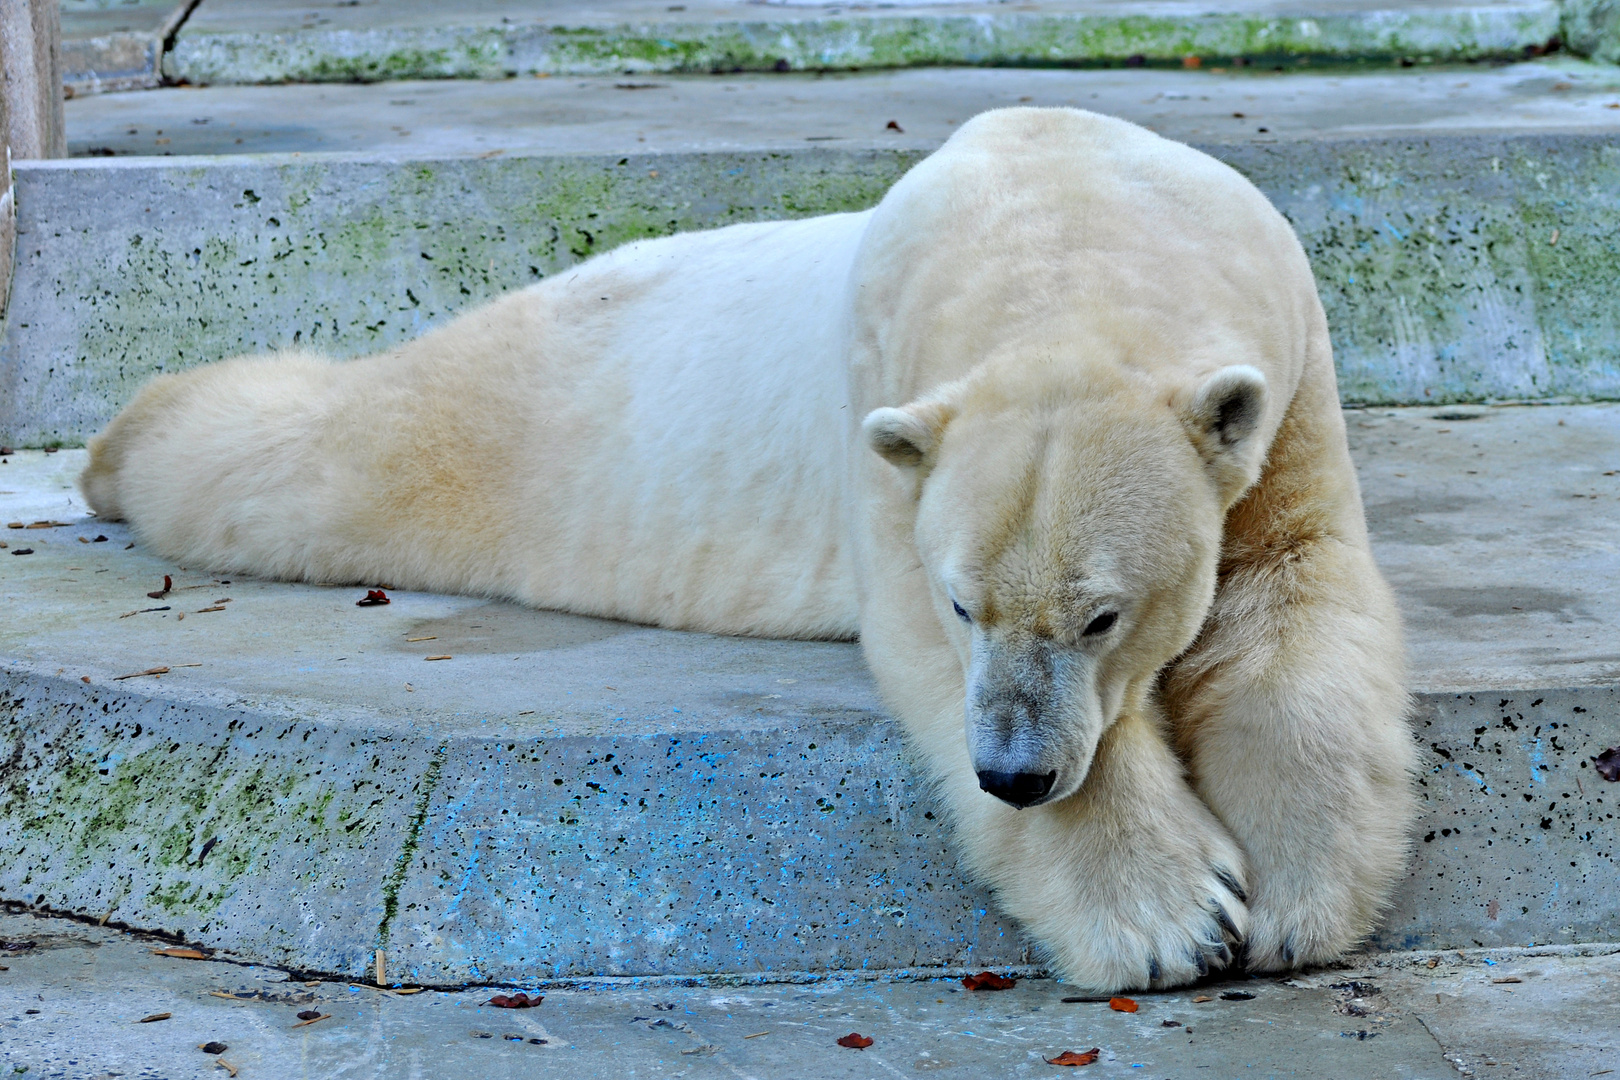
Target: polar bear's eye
x,y
960,614
1100,624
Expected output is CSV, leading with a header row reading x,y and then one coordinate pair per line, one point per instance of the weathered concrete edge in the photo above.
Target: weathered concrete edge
x,y
317,900
856,40
1461,268
112,63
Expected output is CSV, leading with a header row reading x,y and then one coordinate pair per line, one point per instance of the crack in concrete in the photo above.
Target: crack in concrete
x,y
413,834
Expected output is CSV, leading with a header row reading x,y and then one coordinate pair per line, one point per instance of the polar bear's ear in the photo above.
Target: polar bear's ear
x,y
907,436
1222,419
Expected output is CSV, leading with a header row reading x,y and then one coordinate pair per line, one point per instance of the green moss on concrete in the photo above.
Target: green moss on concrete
x,y
408,850
351,258
850,41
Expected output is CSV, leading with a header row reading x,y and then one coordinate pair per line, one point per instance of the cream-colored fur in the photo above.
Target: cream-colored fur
x,y
1108,559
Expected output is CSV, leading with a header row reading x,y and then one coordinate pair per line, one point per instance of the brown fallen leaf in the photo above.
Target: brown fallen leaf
x,y
168,584
138,674
182,953
14,524
894,125
1069,1057
438,658
312,1020
1202,998
47,525
515,1001
216,607
215,1048
154,1017
1608,763
854,1041
1508,979
988,980
1122,1004
309,1014
374,598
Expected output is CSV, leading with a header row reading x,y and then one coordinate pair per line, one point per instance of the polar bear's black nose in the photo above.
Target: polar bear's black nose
x,y
1018,788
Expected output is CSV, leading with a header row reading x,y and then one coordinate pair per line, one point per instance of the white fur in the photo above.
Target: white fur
x,y
1098,381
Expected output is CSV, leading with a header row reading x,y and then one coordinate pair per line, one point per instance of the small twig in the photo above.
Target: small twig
x,y
318,1019
755,1035
154,1016
227,1066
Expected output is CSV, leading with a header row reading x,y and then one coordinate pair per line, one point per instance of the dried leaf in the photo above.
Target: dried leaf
x,y
374,598
206,610
894,125
22,551
855,1041
215,1048
1202,998
227,1066
1508,979
153,1017
1122,1004
437,657
1608,763
168,584
181,953
1069,1057
309,1014
988,980
515,1001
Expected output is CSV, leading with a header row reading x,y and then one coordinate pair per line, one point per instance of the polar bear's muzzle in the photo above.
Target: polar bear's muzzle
x,y
1033,719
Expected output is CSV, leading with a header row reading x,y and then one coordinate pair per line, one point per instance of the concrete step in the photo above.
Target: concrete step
x,y
114,45
1461,240
71,1001
569,798
251,41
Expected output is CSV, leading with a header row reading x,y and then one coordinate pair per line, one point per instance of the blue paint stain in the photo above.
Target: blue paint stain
x,y
1393,231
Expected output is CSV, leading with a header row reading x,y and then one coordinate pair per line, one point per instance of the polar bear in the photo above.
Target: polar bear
x,y
1053,429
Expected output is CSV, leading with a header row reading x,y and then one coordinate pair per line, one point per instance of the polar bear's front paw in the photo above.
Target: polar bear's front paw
x,y
1164,922
1289,932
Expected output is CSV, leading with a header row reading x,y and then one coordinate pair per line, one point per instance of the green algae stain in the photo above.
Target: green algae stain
x,y
365,256
174,819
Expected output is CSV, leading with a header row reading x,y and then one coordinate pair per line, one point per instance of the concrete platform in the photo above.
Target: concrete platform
x,y
72,1002
1457,264
251,41
114,45
567,799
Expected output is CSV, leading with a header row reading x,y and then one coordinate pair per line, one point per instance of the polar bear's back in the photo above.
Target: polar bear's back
x,y
1084,235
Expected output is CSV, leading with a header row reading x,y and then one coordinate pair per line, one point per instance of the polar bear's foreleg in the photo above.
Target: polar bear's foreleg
x,y
1290,707
1131,883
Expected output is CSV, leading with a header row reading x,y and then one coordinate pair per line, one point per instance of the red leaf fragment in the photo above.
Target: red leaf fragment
x,y
168,583
988,980
373,598
854,1041
1069,1057
515,1001
1608,763
1122,1004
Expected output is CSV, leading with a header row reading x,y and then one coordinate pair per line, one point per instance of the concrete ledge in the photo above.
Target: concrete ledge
x,y
1452,269
569,798
238,41
110,47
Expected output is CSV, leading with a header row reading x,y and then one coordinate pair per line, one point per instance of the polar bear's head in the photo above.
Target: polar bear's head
x,y
1070,533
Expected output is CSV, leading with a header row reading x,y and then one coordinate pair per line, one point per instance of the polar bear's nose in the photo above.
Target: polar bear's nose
x,y
1021,789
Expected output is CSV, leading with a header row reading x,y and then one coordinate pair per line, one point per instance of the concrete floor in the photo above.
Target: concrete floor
x,y
73,995
675,113
1498,526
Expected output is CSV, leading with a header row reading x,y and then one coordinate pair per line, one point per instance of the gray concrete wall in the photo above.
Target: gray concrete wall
x,y
244,41
1452,269
498,855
